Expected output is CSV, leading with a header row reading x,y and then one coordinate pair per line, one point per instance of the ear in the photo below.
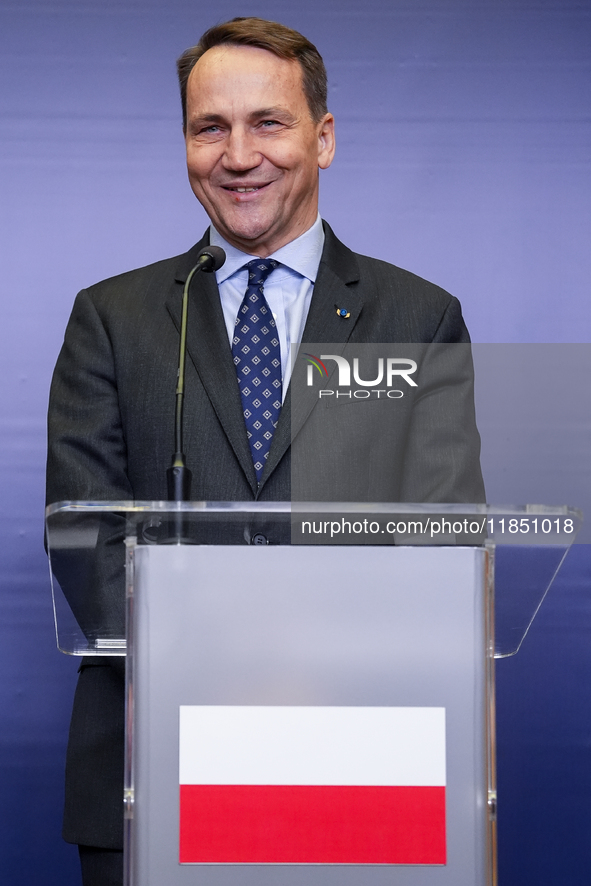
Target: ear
x,y
326,141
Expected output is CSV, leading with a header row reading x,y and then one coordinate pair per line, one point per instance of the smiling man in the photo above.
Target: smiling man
x,y
254,147
257,132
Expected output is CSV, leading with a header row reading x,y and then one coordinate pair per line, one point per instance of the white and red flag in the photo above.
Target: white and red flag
x,y
312,785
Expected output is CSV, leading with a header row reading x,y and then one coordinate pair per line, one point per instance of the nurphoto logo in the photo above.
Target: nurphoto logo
x,y
390,370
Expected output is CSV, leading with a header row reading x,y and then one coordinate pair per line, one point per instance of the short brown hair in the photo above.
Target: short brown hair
x,y
278,39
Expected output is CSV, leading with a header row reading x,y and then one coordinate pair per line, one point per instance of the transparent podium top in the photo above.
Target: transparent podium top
x,y
87,544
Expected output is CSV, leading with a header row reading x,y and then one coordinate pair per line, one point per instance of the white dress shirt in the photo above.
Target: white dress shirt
x,y
288,288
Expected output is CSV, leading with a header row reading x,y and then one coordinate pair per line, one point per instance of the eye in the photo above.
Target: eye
x,y
204,129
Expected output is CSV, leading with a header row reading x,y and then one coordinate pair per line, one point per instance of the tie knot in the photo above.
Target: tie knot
x,y
259,269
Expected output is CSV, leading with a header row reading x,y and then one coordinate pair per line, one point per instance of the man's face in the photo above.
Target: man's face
x,y
253,151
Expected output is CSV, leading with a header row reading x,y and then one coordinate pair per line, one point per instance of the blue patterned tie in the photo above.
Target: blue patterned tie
x,y
257,357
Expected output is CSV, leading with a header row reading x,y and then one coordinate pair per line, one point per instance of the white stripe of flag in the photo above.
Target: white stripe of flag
x,y
312,745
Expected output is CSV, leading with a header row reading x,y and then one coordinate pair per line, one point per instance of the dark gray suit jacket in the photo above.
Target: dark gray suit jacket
x,y
111,438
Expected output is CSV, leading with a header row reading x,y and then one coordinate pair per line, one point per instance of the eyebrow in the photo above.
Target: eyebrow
x,y
273,112
205,118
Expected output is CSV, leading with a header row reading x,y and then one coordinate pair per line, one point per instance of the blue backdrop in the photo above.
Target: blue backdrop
x,y
463,154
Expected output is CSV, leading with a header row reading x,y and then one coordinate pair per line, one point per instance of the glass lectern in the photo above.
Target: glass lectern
x,y
310,688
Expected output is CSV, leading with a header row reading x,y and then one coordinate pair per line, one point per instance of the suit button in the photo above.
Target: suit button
x,y
259,539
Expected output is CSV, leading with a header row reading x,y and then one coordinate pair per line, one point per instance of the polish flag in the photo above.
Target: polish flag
x,y
312,785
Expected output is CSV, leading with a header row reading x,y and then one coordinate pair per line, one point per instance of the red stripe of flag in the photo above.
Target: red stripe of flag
x,y
301,824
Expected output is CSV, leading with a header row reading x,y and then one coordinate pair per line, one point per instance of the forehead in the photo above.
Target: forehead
x,y
231,76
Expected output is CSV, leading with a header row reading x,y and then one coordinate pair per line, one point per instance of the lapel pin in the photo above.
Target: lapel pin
x,y
343,312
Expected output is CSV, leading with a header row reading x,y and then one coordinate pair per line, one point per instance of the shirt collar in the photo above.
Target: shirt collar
x,y
302,255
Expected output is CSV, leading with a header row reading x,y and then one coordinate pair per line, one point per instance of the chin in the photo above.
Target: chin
x,y
248,232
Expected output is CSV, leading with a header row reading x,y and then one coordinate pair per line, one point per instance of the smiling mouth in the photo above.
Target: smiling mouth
x,y
239,190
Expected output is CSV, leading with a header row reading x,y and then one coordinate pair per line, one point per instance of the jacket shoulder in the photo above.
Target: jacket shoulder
x,y
398,280
396,302
153,280
130,279
376,274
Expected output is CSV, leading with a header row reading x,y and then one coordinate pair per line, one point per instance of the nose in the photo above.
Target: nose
x,y
240,151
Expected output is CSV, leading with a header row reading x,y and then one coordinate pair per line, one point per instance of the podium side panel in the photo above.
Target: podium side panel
x,y
317,627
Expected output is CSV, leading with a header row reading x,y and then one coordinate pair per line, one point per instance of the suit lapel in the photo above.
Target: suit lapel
x,y
334,288
208,348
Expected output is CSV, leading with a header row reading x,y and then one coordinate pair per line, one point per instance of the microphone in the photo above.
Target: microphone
x,y
210,259
178,475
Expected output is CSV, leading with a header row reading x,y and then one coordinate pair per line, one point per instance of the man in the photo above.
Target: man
x,y
257,131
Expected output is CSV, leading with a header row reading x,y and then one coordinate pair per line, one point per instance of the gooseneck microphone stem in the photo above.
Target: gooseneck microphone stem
x,y
178,474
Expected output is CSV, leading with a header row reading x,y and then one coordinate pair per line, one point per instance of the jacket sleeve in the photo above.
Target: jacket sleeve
x,y
87,460
442,447
87,453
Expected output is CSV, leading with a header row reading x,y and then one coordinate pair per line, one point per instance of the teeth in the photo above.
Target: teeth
x,y
244,190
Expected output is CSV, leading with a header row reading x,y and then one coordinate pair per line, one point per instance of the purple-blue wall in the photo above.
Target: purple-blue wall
x,y
463,154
